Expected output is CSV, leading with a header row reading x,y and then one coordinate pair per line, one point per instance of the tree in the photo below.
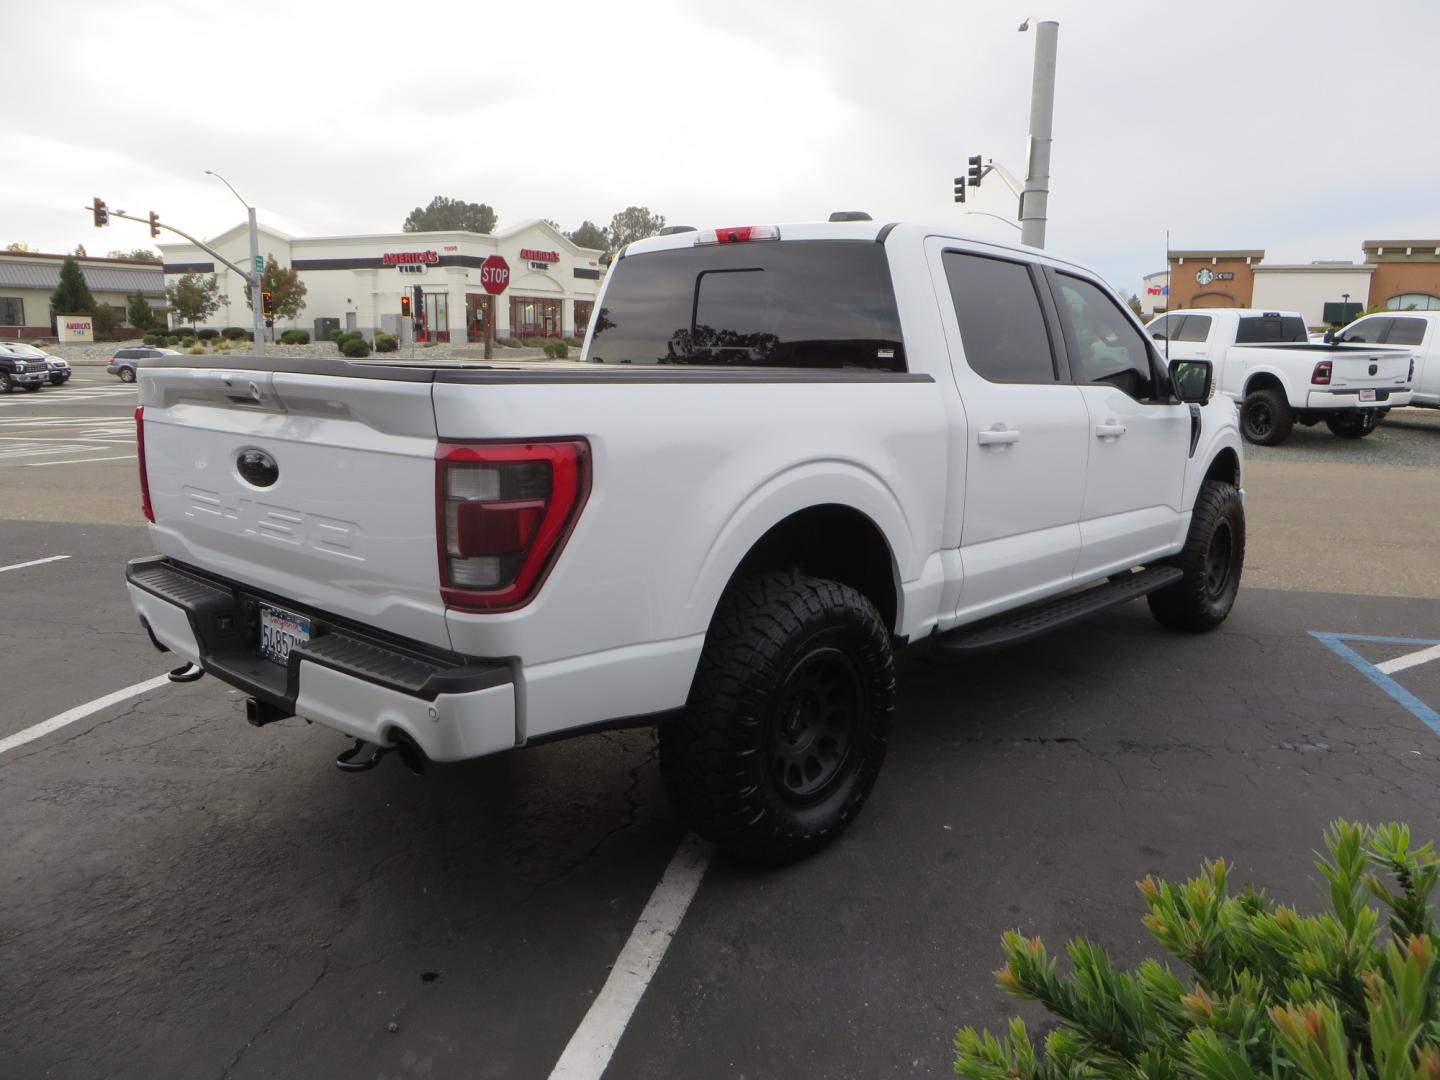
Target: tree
x,y
105,318
1138,308
138,312
72,295
590,235
634,223
287,291
193,298
18,246
80,251
444,214
134,255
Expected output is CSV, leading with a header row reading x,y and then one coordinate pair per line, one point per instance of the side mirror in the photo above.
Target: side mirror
x,y
1192,380
1330,337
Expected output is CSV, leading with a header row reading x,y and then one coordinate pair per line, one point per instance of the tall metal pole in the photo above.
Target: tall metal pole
x,y
253,273
1035,200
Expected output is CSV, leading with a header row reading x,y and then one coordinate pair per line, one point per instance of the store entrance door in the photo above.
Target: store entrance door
x,y
479,314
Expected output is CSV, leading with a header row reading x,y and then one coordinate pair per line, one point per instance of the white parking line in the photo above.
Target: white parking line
x,y
1409,660
77,461
80,712
593,1044
32,562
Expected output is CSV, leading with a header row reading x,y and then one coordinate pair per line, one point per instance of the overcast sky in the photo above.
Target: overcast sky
x,y
1299,126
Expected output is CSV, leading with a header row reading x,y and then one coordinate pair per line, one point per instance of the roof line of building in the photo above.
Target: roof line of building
x,y
79,258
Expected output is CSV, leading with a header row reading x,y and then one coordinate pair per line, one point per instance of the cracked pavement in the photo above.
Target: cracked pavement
x,y
182,895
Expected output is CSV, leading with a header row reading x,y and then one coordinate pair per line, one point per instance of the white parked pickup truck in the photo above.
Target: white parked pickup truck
x,y
1265,361
1418,332
786,452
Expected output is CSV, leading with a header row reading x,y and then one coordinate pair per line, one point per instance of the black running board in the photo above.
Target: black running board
x,y
1029,622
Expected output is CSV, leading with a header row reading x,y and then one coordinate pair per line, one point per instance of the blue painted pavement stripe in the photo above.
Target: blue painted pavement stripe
x,y
1418,708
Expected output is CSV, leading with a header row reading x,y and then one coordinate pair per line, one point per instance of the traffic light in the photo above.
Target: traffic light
x,y
405,305
976,170
102,215
267,308
154,223
959,189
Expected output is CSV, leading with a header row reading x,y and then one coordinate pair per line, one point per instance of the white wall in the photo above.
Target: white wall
x,y
1307,289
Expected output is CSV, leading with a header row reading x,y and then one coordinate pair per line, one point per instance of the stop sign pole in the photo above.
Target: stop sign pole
x,y
494,278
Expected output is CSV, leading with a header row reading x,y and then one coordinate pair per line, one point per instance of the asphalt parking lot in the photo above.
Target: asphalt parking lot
x,y
184,895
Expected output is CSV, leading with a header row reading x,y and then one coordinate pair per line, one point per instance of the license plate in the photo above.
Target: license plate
x,y
281,631
1367,395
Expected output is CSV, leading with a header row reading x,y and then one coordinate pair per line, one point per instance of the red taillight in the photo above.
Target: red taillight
x,y
1321,375
738,234
140,456
502,514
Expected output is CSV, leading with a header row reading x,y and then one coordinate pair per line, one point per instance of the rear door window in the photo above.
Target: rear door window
x,y
1001,322
792,303
1195,328
1103,344
1270,329
1406,332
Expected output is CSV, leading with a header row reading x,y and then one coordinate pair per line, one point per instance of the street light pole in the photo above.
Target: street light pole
x,y
1035,200
257,279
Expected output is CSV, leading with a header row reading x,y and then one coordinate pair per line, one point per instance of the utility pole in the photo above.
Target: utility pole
x,y
1035,201
257,267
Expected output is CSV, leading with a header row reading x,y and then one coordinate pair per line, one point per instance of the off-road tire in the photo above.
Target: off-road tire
x,y
1355,424
127,374
1266,418
788,718
1212,558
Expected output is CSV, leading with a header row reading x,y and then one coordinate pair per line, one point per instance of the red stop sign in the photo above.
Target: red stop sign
x,y
494,275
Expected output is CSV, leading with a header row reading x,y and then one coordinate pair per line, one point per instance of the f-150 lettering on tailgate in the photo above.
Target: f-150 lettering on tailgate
x,y
278,523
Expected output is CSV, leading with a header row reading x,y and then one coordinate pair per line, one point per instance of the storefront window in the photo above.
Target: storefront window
x,y
12,311
1413,302
582,316
437,317
533,316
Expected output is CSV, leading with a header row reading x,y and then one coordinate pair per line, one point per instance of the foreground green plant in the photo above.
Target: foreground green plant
x,y
1273,994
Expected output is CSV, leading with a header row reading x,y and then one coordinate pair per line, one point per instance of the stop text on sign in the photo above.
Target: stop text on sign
x,y
403,258
494,275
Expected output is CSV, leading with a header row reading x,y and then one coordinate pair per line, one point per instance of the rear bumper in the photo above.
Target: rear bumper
x,y
346,677
1350,399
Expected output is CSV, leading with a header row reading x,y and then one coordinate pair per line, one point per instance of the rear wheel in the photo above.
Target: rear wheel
x,y
127,374
1355,424
1213,557
788,718
1266,418
7,386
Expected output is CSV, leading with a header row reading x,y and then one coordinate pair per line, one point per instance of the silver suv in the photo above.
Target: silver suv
x,y
125,361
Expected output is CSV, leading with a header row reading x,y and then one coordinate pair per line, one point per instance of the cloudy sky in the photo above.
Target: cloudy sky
x,y
1299,126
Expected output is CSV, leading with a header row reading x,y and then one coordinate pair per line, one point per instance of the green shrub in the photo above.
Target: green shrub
x,y
183,331
295,337
187,341
355,347
536,342
508,343
385,343
557,350
207,333
1276,995
235,333
153,339
574,342
336,335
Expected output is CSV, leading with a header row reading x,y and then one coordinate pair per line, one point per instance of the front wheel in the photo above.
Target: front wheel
x,y
788,718
7,385
56,380
1266,418
127,374
1212,558
30,388
1355,424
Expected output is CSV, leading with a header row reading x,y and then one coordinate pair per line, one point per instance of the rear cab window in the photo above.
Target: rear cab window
x,y
1406,332
1269,329
774,304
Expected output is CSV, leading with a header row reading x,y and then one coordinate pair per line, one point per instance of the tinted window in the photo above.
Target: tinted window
x,y
127,354
1196,328
1367,331
1406,332
1106,347
795,303
1001,324
1160,329
1268,329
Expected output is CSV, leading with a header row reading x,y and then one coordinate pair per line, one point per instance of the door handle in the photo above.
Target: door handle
x,y
997,435
1109,430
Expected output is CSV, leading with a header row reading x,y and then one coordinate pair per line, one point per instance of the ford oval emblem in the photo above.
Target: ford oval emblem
x,y
257,467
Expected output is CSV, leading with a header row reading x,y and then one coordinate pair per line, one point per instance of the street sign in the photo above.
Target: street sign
x,y
494,275
259,264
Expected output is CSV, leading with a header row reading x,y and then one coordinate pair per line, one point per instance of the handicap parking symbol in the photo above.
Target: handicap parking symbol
x,y
1382,673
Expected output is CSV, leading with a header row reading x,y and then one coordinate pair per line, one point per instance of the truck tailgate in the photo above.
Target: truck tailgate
x,y
346,526
1359,366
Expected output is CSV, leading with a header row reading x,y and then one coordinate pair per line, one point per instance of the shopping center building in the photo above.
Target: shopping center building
x,y
28,278
525,281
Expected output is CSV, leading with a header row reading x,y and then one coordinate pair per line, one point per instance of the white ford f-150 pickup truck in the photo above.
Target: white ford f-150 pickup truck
x,y
1265,361
1416,331
786,452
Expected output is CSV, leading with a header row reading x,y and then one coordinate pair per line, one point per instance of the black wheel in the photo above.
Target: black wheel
x,y
7,386
30,388
1266,418
788,718
56,380
1353,425
127,374
1213,556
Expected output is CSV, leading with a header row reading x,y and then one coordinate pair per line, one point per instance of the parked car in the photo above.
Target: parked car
x,y
779,461
1265,361
17,369
1418,331
127,361
59,368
